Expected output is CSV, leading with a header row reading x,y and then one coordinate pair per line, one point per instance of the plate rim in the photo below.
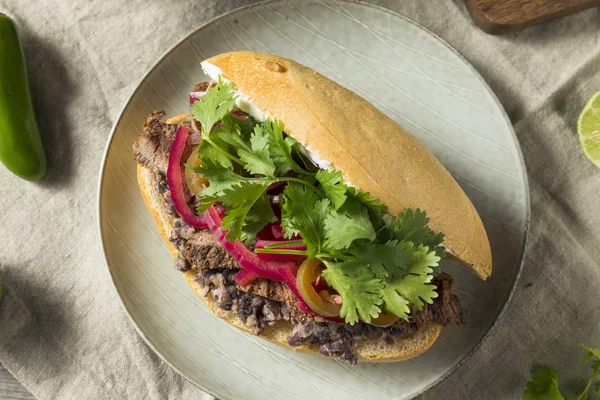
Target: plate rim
x,y
523,246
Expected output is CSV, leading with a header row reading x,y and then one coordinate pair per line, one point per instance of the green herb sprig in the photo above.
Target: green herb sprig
x,y
544,380
376,262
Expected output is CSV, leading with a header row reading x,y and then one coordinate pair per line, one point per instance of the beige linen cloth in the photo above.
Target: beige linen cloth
x,y
63,333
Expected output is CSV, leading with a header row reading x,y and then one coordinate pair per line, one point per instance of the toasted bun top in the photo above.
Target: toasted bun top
x,y
373,152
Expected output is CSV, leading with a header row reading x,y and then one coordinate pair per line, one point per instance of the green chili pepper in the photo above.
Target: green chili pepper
x,y
21,148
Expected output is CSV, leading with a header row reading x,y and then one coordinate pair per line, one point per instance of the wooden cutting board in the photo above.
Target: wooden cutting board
x,y
504,16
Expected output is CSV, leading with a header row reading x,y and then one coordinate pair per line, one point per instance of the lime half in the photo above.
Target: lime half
x,y
588,129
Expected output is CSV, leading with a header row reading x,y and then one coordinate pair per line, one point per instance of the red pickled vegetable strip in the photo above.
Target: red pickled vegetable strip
x,y
274,185
275,271
195,96
277,231
244,277
280,257
265,234
175,180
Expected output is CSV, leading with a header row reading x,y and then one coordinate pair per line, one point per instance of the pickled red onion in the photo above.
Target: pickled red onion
x,y
244,277
275,271
195,96
277,231
175,180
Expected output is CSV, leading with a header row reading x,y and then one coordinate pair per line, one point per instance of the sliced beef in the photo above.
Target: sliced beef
x,y
280,292
446,309
267,288
204,252
198,249
203,86
152,147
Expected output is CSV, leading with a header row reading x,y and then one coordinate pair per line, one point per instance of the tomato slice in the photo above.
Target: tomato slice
x,y
308,272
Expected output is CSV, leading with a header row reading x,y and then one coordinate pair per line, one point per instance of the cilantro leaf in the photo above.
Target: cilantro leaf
x,y
351,223
412,226
415,286
254,155
222,179
300,154
257,218
335,188
214,152
280,148
591,353
246,125
389,259
415,289
229,132
395,303
213,106
544,380
257,157
411,286
375,206
359,288
304,213
248,210
204,203
219,178
543,385
259,140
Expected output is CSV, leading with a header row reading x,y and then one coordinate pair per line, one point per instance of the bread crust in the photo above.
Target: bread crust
x,y
156,206
373,152
366,350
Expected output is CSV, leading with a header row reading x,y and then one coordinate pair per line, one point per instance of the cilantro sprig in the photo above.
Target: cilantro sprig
x,y
376,262
544,380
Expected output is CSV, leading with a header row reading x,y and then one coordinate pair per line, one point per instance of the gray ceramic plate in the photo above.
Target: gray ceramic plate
x,y
408,73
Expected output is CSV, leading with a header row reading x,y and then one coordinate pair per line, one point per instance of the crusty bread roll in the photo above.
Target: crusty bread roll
x,y
365,350
374,153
